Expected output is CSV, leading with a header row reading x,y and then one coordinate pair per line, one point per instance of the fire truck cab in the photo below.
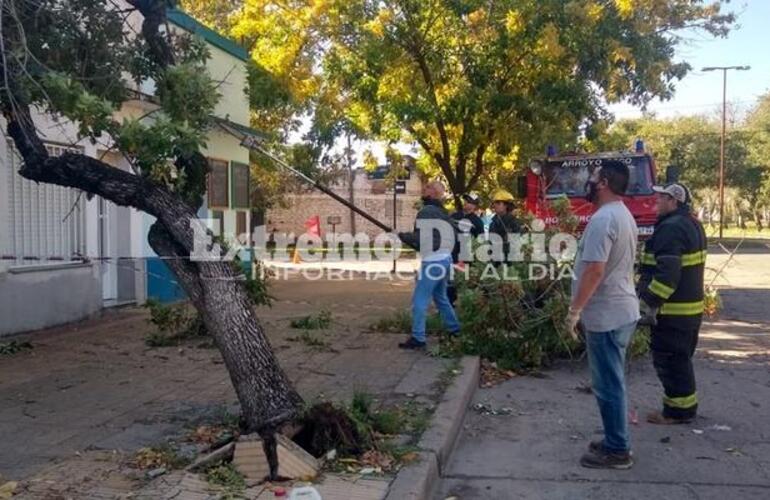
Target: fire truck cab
x,y
554,176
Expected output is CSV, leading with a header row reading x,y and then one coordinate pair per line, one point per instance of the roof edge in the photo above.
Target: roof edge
x,y
189,23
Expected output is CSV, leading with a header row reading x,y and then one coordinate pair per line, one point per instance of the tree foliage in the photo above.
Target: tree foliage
x,y
477,84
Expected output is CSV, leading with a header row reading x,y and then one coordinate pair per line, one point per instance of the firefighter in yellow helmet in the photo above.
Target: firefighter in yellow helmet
x,y
503,222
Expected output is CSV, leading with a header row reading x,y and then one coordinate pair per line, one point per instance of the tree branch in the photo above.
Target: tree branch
x,y
154,13
415,49
478,168
444,166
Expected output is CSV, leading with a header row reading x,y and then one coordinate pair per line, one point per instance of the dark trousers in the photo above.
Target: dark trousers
x,y
673,344
451,291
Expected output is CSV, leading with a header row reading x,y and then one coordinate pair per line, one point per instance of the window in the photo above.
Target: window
x,y
240,173
219,184
571,179
45,223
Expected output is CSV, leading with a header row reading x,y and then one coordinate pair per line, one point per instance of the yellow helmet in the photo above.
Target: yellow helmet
x,y
502,195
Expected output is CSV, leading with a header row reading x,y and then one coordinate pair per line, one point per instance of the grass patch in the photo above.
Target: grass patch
x,y
14,347
449,373
733,231
173,324
312,340
401,322
401,453
320,321
228,478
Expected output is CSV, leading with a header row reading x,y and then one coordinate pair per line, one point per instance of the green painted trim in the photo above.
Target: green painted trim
x,y
189,23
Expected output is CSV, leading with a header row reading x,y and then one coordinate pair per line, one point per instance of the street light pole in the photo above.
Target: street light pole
x,y
724,70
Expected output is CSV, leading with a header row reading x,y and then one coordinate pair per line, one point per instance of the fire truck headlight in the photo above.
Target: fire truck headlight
x,y
536,167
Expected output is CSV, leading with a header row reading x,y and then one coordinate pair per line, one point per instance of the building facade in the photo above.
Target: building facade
x,y
64,257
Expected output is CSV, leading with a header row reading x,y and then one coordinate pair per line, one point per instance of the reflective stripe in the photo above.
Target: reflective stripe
x,y
659,289
688,259
683,403
694,259
682,308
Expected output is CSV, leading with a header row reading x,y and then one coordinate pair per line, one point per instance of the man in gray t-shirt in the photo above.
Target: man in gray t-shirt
x,y
610,237
604,301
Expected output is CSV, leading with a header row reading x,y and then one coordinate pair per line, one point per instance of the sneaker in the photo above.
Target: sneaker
x,y
596,446
412,343
658,418
603,459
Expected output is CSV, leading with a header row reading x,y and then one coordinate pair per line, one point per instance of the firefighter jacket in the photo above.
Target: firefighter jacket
x,y
672,267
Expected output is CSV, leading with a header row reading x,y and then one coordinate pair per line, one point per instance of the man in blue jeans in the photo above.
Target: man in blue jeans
x,y
434,236
604,301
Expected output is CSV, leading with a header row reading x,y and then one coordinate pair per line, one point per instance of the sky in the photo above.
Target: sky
x,y
701,92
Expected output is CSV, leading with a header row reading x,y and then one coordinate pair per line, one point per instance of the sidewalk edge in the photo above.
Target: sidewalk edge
x,y
418,481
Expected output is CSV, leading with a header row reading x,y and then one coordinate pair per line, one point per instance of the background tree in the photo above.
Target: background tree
x,y
479,85
68,58
692,144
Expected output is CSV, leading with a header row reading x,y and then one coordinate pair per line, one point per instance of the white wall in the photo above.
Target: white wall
x,y
46,293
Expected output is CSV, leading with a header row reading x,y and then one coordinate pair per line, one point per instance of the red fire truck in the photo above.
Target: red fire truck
x,y
554,175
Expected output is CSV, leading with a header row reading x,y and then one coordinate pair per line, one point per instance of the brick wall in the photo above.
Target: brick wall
x,y
369,195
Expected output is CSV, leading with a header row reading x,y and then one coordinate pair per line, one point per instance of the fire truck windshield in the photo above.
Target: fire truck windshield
x,y
569,176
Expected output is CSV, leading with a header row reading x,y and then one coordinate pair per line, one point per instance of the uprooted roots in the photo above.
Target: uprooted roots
x,y
325,427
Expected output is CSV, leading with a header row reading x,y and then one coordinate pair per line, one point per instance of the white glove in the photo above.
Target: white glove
x,y
571,322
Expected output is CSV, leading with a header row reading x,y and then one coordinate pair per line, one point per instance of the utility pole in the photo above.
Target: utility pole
x,y
724,70
395,220
351,182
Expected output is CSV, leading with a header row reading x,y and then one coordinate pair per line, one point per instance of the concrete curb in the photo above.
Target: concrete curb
x,y
418,481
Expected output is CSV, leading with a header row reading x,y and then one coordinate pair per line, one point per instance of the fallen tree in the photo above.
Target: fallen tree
x,y
68,59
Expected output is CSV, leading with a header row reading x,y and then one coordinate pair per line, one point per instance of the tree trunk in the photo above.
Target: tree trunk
x,y
216,288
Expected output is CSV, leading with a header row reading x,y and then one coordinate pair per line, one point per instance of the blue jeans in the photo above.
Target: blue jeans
x,y
607,357
432,281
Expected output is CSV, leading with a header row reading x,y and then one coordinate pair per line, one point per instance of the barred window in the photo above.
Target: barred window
x,y
219,184
44,223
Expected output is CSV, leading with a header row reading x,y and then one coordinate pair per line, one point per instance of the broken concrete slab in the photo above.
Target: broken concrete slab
x,y
222,454
294,462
